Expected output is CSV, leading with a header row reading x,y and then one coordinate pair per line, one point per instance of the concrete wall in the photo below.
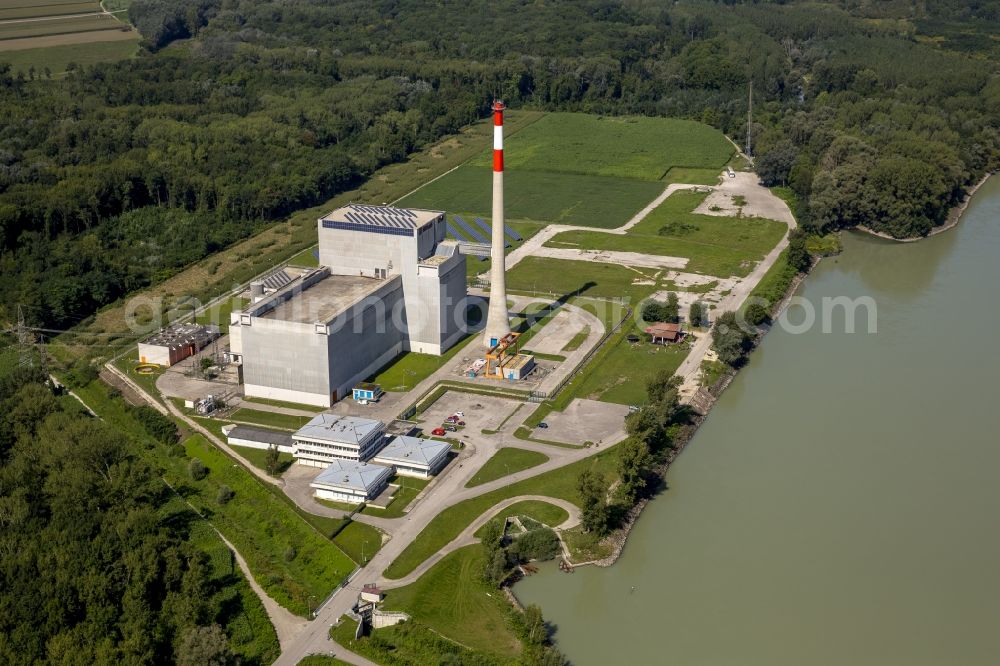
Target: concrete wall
x,y
236,441
382,619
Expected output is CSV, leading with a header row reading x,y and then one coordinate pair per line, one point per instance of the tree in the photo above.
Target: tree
x,y
496,568
272,459
634,461
774,164
204,646
697,314
729,339
197,470
756,314
594,509
224,495
798,254
661,384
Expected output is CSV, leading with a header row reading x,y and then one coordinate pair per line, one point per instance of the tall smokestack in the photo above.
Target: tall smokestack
x,y
497,318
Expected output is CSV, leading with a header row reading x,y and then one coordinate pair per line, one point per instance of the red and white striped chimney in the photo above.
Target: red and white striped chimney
x,y
497,318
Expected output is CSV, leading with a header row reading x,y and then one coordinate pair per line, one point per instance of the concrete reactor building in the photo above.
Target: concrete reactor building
x,y
388,281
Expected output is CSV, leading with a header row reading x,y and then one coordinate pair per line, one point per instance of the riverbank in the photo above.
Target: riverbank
x,y
954,217
619,537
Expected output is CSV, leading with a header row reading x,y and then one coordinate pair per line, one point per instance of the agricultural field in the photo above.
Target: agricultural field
x,y
624,147
721,246
42,37
542,196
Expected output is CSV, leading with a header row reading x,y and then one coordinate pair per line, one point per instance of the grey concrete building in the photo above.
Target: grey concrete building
x,y
351,481
389,282
414,456
329,437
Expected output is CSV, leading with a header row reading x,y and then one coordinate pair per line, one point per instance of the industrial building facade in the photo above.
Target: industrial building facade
x,y
388,282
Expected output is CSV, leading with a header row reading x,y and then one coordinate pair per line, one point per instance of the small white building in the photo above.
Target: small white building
x,y
328,437
351,481
259,438
413,456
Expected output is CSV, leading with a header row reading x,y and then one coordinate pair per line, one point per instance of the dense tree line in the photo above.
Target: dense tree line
x,y
90,572
119,174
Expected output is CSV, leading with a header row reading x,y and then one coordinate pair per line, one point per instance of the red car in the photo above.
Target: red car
x,y
438,432
451,419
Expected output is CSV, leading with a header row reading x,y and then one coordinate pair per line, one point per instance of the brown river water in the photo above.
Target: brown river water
x,y
841,504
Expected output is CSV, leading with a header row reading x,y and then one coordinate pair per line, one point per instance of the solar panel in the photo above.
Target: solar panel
x,y
482,225
511,233
453,232
475,235
489,231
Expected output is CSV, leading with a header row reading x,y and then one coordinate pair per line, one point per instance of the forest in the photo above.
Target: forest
x,y
98,566
239,112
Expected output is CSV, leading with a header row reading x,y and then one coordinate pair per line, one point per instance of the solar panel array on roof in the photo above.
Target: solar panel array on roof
x,y
381,216
473,234
489,232
277,280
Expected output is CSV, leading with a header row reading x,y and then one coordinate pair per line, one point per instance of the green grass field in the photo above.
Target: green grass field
x,y
626,147
283,403
19,9
410,368
409,488
721,246
257,458
543,512
544,196
559,483
619,374
57,57
268,419
305,258
58,26
563,276
504,462
219,313
450,599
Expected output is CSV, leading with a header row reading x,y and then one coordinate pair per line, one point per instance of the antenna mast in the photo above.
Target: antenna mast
x,y
749,119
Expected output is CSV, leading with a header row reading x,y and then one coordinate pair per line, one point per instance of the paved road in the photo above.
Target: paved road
x,y
468,536
765,203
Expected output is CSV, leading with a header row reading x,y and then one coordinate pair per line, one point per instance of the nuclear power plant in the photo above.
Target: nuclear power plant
x,y
388,281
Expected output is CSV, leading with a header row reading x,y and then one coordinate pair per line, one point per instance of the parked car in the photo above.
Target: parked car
x,y
460,414
543,425
451,428
451,419
438,432
460,423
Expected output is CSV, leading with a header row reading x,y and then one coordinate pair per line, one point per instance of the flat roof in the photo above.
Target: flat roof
x,y
383,216
518,361
337,428
178,335
351,474
325,299
262,435
412,450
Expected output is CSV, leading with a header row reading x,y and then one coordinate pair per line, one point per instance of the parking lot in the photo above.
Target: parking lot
x,y
585,421
481,412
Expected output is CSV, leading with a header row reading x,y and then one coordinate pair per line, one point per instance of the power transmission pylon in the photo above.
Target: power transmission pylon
x,y
25,341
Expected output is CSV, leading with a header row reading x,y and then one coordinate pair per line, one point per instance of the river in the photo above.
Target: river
x,y
841,503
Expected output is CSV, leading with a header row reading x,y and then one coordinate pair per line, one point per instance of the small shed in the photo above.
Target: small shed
x,y
664,333
371,593
367,391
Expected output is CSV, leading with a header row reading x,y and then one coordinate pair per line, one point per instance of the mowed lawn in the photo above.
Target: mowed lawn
x,y
451,599
504,462
565,276
627,147
721,246
622,370
544,196
543,512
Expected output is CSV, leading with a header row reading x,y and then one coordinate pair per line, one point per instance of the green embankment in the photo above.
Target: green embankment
x,y
507,460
